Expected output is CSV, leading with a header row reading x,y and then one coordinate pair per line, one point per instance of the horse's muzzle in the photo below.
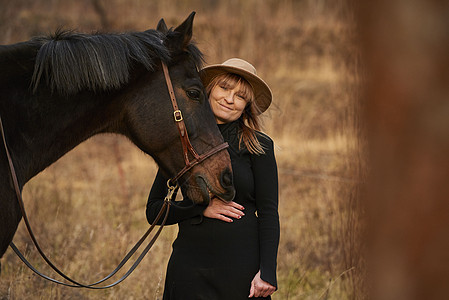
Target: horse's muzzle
x,y
226,182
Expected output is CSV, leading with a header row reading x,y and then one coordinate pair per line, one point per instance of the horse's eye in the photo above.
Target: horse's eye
x,y
193,94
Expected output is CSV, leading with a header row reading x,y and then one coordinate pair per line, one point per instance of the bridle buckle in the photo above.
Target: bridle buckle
x,y
178,115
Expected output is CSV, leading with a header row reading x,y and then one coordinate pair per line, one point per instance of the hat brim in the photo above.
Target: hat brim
x,y
262,93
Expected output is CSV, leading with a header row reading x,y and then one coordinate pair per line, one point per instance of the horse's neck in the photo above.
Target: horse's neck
x,y
42,137
42,127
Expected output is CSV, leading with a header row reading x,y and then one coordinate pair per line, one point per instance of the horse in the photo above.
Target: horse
x,y
57,91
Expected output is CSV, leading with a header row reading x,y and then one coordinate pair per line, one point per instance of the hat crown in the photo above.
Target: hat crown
x,y
241,64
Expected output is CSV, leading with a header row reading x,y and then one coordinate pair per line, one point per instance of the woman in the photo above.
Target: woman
x,y
229,250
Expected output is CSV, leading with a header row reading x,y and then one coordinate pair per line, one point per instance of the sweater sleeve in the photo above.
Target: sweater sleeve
x,y
179,210
266,195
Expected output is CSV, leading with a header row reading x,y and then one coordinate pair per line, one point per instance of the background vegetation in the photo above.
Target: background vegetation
x,y
88,208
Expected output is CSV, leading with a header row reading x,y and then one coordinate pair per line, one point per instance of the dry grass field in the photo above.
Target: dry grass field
x,y
88,209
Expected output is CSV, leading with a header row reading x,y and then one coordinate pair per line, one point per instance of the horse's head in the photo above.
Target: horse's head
x,y
153,127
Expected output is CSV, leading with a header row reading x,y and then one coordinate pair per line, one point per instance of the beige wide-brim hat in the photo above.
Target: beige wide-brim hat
x,y
262,92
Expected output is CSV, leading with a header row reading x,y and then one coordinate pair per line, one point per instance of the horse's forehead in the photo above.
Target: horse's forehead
x,y
187,69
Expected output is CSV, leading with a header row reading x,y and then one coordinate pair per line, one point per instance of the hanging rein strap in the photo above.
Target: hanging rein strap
x,y
165,207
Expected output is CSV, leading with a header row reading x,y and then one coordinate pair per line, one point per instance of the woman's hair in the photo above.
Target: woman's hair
x,y
249,121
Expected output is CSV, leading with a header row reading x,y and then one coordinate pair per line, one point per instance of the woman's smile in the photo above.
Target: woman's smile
x,y
225,107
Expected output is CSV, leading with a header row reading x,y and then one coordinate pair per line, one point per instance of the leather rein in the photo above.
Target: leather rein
x,y
172,185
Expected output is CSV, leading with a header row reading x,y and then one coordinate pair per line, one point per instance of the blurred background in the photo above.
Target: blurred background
x,y
88,208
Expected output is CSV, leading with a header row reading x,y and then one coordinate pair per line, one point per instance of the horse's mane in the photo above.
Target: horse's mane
x,y
72,61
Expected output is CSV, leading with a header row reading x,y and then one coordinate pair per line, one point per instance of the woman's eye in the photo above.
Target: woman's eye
x,y
193,94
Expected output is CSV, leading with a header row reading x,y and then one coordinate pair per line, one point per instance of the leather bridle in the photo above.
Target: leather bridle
x,y
172,186
186,145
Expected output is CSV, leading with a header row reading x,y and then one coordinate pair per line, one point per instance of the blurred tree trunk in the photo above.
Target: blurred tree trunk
x,y
406,51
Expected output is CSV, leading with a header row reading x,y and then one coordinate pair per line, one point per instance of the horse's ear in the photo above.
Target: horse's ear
x,y
185,29
161,26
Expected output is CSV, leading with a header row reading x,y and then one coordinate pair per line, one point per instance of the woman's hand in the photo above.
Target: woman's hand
x,y
224,211
260,288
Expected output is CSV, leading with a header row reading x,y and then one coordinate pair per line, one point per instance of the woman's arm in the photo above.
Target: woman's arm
x,y
179,211
266,195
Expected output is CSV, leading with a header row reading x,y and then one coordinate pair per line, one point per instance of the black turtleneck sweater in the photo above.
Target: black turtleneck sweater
x,y
213,259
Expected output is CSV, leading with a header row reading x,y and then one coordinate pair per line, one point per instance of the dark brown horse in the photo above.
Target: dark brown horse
x,y
56,92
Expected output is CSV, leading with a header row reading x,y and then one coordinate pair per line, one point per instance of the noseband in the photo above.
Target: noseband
x,y
171,183
185,141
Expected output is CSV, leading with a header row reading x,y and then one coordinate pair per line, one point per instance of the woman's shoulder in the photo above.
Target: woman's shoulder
x,y
265,141
263,138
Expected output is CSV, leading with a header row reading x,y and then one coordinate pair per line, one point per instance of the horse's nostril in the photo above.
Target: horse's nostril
x,y
226,178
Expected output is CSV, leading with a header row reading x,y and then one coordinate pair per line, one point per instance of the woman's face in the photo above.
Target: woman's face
x,y
228,101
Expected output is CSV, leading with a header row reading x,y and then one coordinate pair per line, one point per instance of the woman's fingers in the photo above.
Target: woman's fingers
x,y
236,205
268,291
224,218
252,290
260,288
230,209
232,212
225,211
229,213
